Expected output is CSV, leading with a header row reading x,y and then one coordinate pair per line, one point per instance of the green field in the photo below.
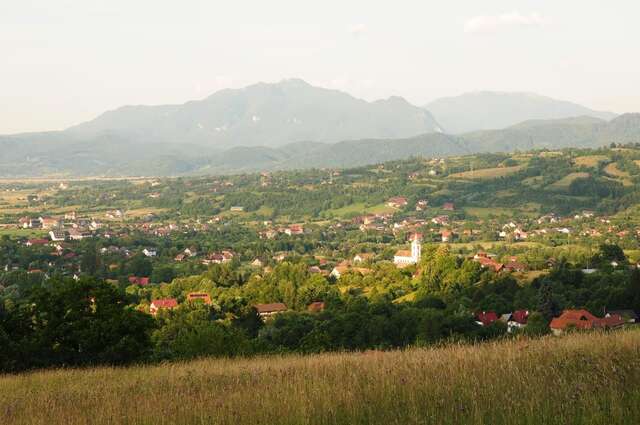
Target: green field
x,y
564,183
487,173
486,212
15,232
360,208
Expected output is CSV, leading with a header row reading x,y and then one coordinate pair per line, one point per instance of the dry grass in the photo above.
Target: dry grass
x,y
591,161
577,379
613,171
487,173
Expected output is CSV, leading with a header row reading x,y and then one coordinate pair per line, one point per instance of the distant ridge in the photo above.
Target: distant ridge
x,y
486,110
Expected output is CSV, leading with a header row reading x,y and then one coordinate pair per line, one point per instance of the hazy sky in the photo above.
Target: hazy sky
x,y
66,61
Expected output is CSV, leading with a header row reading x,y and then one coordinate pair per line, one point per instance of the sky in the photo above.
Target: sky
x,y
63,62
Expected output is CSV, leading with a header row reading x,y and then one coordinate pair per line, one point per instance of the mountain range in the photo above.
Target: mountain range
x,y
263,115
290,125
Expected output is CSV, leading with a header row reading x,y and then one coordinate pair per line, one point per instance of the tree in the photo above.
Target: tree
x,y
90,260
68,323
546,302
191,331
537,325
162,274
140,266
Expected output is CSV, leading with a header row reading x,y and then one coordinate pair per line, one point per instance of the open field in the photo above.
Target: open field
x,y
493,244
590,160
577,379
486,212
487,173
15,232
613,171
565,182
361,208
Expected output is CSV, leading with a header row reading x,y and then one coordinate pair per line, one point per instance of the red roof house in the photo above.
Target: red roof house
x,y
486,318
316,307
135,280
583,319
166,303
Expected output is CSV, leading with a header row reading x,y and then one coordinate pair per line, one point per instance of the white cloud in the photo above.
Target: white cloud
x,y
492,24
357,30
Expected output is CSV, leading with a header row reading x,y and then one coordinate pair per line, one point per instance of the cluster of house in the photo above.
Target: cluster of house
x,y
271,233
265,311
221,257
488,261
407,257
399,202
569,319
61,229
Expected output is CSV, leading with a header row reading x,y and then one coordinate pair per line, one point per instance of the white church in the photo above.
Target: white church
x,y
404,257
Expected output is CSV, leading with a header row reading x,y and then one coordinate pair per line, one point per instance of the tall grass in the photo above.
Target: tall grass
x,y
577,379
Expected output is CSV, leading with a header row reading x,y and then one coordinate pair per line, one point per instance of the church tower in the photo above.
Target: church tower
x,y
416,247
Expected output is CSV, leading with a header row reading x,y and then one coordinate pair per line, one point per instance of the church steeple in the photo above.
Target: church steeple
x,y
416,247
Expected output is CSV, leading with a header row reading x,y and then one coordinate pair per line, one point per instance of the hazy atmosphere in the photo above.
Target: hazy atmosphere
x,y
337,212
67,61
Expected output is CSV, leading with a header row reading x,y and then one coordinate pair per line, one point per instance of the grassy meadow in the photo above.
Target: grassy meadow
x,y
487,173
577,379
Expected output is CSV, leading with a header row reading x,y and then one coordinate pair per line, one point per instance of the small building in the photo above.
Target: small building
x,y
77,234
136,280
268,310
150,252
629,316
486,262
516,320
486,318
294,230
448,206
316,307
32,242
515,266
397,202
363,257
50,222
441,220
422,205
339,270
199,297
162,304
57,235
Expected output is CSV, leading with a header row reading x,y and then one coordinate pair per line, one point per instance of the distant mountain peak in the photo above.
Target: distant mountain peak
x,y
263,114
295,82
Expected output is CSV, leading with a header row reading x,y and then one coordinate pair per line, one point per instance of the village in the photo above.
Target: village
x,y
151,246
